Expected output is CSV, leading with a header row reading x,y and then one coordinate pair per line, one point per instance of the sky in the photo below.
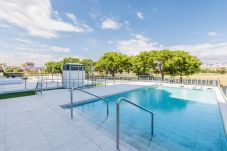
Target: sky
x,y
49,30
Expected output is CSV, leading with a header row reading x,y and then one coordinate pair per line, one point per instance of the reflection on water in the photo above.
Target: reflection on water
x,y
182,119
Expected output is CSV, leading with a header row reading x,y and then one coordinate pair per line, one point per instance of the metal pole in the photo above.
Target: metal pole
x,y
41,86
71,99
46,83
78,75
25,83
152,125
69,80
105,80
117,126
82,76
107,108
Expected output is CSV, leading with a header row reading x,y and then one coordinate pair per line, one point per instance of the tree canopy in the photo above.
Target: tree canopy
x,y
112,63
142,63
182,64
56,66
71,60
164,62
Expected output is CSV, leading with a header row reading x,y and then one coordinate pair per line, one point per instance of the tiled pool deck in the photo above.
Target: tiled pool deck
x,y
38,123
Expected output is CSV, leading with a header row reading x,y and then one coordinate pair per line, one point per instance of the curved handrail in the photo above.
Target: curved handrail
x,y
76,88
118,118
39,83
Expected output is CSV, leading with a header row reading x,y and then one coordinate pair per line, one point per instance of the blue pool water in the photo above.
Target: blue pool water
x,y
183,119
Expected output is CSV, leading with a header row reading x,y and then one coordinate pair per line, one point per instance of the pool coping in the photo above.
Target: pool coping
x,y
142,84
222,104
85,101
221,99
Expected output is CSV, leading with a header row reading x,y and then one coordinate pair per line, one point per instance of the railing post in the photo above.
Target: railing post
x,y
25,83
41,86
107,108
71,101
105,80
46,83
118,119
117,125
152,125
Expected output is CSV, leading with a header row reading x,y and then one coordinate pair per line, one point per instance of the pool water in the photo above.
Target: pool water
x,y
184,119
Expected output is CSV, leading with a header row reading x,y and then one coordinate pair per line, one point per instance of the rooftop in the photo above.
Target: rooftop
x,y
38,123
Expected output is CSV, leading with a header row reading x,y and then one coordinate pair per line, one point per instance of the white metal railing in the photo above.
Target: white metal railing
x,y
39,86
123,79
118,119
71,100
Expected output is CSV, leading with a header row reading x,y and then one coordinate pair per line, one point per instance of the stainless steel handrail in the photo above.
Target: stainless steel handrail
x,y
76,88
39,83
118,119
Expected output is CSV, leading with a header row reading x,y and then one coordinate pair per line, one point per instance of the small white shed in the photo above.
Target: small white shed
x,y
73,75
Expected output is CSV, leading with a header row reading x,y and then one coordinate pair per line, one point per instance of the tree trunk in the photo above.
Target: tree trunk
x,y
181,79
163,76
113,74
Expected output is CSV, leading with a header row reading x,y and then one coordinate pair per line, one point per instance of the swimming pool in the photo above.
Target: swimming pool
x,y
184,119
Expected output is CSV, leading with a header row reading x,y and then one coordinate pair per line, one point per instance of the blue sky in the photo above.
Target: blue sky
x,y
44,30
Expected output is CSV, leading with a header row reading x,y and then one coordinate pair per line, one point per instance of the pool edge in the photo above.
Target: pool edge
x,y
222,104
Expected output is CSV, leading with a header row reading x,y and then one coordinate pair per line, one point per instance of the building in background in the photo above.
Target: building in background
x,y
28,66
3,66
214,66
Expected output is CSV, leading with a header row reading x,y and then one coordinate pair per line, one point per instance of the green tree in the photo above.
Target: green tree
x,y
1,69
221,70
88,63
71,60
50,67
9,69
182,64
142,63
160,59
112,63
127,63
58,67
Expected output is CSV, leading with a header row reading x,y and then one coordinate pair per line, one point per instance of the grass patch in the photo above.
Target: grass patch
x,y
16,94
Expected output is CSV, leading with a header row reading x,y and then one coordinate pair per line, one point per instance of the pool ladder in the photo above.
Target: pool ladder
x,y
117,112
118,119
71,100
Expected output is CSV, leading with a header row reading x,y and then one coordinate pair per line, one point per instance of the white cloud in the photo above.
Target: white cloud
x,y
59,49
22,50
212,34
85,49
56,15
26,45
21,57
136,45
110,24
35,16
79,26
207,52
140,15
